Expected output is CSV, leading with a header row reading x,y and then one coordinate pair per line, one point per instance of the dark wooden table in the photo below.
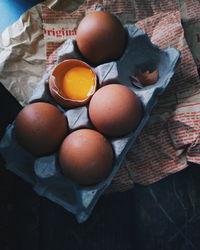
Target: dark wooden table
x,y
161,216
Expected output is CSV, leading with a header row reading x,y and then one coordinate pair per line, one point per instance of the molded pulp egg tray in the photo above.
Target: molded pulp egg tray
x,y
43,173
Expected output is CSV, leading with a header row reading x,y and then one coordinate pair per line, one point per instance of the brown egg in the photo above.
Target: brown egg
x,y
40,128
86,156
101,37
115,110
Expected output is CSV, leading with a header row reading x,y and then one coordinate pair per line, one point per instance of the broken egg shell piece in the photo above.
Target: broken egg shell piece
x,y
147,78
56,81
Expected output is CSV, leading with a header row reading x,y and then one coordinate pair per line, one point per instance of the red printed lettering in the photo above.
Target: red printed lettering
x,y
59,33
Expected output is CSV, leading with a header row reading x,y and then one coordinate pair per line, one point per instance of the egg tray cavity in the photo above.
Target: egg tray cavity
x,y
43,173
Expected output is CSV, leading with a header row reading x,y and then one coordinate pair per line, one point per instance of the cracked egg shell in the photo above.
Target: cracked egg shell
x,y
72,83
86,157
148,78
40,128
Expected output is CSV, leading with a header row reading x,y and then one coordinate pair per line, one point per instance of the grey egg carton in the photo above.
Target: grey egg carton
x,y
44,172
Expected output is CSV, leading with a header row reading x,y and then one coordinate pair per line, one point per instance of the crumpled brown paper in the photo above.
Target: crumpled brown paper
x,y
23,55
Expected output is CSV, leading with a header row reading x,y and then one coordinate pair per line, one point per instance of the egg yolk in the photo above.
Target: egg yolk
x,y
78,82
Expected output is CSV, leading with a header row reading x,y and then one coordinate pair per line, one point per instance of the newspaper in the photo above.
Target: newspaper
x,y
171,137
